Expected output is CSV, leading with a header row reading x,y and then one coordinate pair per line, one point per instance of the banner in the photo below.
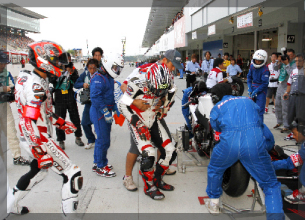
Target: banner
x,y
245,20
179,32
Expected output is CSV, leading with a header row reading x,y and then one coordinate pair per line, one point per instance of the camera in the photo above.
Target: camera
x,y
8,96
84,96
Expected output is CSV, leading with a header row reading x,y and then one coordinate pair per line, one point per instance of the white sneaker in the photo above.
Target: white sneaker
x,y
212,206
129,184
88,146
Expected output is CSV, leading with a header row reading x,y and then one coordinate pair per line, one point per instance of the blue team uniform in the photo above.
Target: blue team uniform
x,y
258,80
102,96
186,109
242,138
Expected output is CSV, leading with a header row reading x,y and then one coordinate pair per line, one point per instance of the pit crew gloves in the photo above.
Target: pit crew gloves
x,y
107,115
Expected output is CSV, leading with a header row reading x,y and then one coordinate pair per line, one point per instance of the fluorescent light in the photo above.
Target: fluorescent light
x,y
267,39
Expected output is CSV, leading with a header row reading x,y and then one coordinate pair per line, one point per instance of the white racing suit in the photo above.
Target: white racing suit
x,y
34,106
147,131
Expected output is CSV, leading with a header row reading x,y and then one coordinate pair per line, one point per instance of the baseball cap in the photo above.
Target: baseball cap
x,y
3,57
175,57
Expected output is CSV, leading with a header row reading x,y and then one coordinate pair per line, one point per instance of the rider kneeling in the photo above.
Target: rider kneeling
x,y
242,138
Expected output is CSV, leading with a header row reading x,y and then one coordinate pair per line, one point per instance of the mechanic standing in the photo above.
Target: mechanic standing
x,y
258,80
102,99
191,69
242,138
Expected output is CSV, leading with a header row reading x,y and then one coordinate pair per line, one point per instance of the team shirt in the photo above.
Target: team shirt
x,y
294,78
273,74
192,67
215,76
233,70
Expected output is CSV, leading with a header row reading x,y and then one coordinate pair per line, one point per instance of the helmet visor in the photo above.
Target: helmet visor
x,y
59,61
116,69
159,92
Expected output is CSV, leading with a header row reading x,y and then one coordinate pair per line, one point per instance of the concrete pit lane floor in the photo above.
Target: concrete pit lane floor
x,y
109,196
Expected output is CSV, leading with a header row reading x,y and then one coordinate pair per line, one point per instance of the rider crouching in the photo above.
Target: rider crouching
x,y
156,89
34,106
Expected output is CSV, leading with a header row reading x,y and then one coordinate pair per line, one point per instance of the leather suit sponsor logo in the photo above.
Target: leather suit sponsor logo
x,y
56,153
57,166
30,129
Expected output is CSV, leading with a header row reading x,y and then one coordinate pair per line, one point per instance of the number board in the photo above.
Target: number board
x,y
290,38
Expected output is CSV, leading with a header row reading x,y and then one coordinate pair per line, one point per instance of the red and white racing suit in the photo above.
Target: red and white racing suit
x,y
34,106
146,129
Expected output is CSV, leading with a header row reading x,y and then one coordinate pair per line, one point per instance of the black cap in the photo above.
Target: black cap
x,y
175,57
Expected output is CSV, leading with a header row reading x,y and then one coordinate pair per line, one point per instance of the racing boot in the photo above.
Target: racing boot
x,y
16,208
158,179
149,188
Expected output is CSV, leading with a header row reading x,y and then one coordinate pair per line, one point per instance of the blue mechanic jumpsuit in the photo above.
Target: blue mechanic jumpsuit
x,y
101,95
287,164
258,80
186,109
242,138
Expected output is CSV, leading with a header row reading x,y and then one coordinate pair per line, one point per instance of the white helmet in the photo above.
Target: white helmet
x,y
260,55
113,63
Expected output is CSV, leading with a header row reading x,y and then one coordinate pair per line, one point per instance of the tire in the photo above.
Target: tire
x,y
197,145
235,180
237,86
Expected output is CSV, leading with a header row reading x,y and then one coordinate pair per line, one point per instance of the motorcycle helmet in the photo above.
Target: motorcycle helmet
x,y
260,55
48,57
113,64
158,79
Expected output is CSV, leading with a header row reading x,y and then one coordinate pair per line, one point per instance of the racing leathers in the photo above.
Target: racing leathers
x,y
148,132
242,138
258,80
34,106
102,97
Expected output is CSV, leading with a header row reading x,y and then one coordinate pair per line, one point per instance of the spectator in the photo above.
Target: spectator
x,y
233,69
273,81
293,88
7,122
291,54
239,61
191,69
84,82
281,105
65,101
207,65
231,57
226,63
22,62
181,70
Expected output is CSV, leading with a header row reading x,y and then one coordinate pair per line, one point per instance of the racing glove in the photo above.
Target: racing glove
x,y
45,161
250,91
296,159
107,115
254,94
68,127
229,78
116,110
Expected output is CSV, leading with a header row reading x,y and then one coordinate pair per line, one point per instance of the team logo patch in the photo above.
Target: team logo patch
x,y
266,76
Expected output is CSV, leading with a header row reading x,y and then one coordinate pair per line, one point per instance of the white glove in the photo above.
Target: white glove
x,y
229,79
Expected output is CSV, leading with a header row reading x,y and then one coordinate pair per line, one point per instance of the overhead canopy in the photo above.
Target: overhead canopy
x,y
23,11
160,17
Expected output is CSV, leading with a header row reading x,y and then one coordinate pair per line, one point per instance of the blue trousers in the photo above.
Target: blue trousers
x,y
186,113
102,143
86,124
260,100
181,73
248,146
